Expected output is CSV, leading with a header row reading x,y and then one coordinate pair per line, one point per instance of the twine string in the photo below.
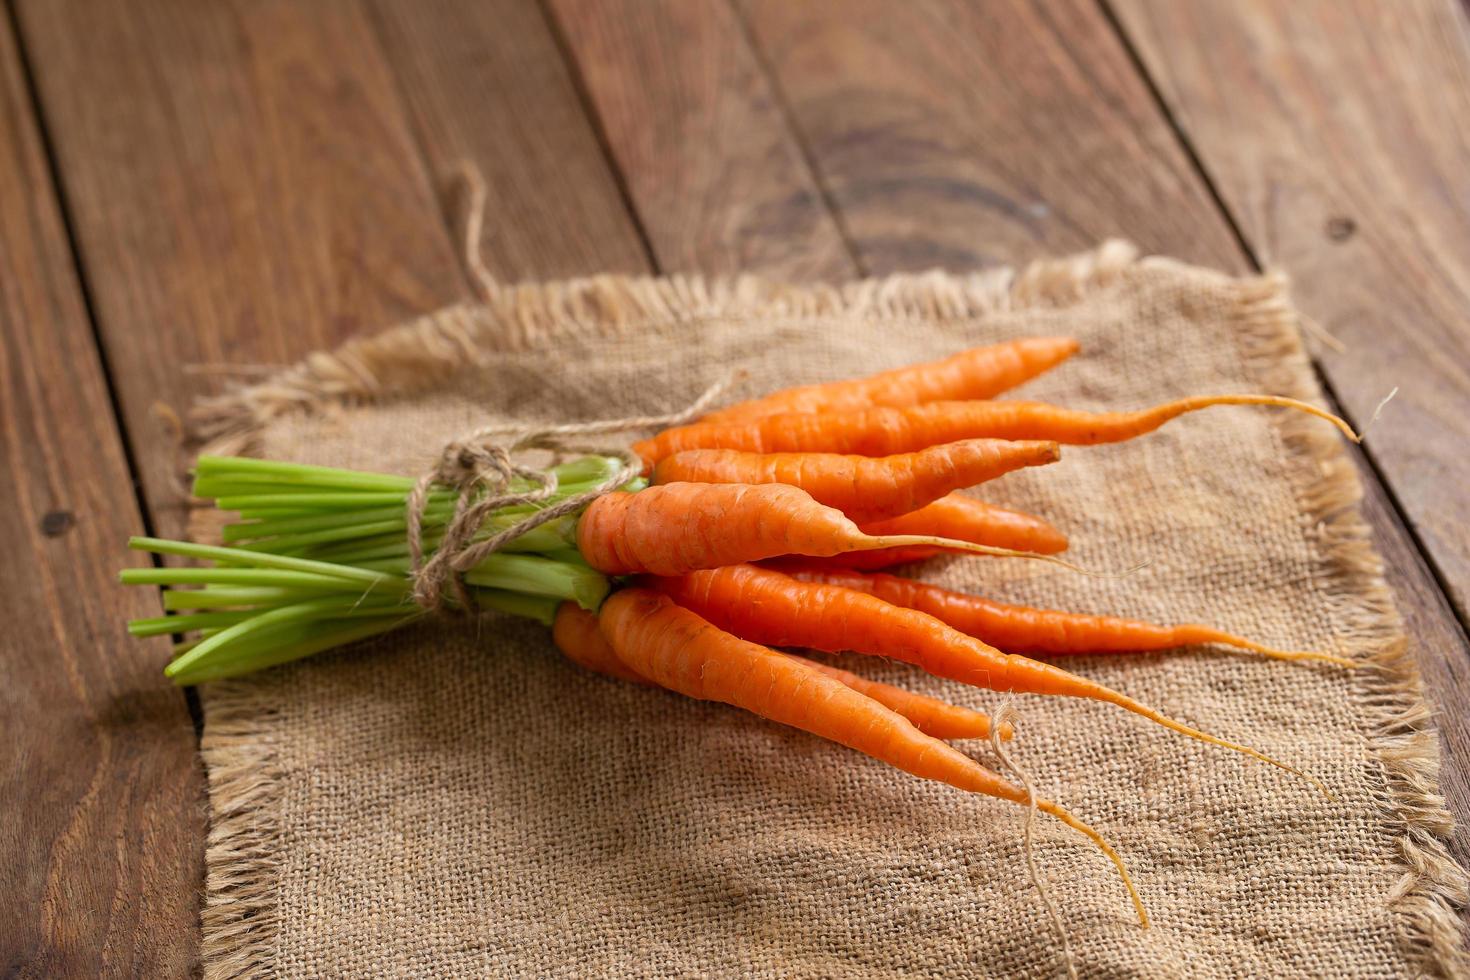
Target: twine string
x,y
1008,715
474,228
480,467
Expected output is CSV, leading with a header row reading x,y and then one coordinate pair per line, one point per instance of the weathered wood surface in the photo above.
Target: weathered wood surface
x,y
244,186
1338,136
485,83
102,823
698,133
251,181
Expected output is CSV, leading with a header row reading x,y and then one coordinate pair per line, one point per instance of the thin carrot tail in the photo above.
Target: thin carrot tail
x,y
1204,634
875,543
1047,806
1160,414
1145,711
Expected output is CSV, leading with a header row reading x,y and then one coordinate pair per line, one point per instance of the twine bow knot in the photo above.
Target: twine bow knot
x,y
482,471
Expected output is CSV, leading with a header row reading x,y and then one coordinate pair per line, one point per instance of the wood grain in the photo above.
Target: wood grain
x,y
966,135
698,134
103,818
977,134
485,82
245,188
1338,134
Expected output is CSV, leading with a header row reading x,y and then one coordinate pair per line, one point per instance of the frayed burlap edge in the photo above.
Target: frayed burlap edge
x,y
242,855
1390,694
240,914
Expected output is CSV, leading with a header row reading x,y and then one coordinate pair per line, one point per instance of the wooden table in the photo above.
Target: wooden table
x,y
191,189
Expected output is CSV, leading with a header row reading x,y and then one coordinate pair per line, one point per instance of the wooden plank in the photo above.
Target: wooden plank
x,y
102,823
244,186
968,135
485,82
1338,134
698,133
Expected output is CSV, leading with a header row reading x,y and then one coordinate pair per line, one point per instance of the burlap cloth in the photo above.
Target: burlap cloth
x,y
460,801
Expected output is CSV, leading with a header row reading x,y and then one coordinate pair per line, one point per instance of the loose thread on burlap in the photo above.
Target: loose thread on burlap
x,y
474,228
1007,715
481,470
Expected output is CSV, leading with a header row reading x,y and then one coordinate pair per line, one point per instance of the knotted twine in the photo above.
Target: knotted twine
x,y
481,470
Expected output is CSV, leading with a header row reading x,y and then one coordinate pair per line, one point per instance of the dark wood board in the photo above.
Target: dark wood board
x,y
486,83
964,135
699,135
102,825
244,186
1338,136
929,104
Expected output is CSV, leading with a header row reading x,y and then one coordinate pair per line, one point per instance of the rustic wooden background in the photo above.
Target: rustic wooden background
x,y
236,183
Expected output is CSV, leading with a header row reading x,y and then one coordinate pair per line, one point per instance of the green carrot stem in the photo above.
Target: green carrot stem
x,y
436,513
331,635
325,500
239,556
268,577
541,576
246,470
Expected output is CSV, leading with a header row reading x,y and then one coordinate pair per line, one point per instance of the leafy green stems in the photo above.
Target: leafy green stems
x,y
320,558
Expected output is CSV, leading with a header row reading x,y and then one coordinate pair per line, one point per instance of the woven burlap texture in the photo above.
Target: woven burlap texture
x,y
460,801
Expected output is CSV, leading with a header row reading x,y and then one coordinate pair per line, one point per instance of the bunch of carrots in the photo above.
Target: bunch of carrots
x,y
756,527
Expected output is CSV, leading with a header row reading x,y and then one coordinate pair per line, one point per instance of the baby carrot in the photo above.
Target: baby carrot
x,y
577,635
929,715
677,649
1021,629
679,527
863,488
885,431
982,372
967,519
765,606
955,516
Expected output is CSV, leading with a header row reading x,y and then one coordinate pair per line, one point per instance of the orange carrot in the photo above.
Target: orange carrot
x,y
765,606
955,516
982,372
578,636
1021,629
885,431
676,649
859,560
863,488
680,527
929,715
967,519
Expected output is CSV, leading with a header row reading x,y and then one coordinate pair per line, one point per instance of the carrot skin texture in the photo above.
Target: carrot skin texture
x,y
860,560
929,715
982,372
576,633
957,517
679,527
1022,629
578,636
864,488
677,649
768,607
962,519
887,431
967,519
